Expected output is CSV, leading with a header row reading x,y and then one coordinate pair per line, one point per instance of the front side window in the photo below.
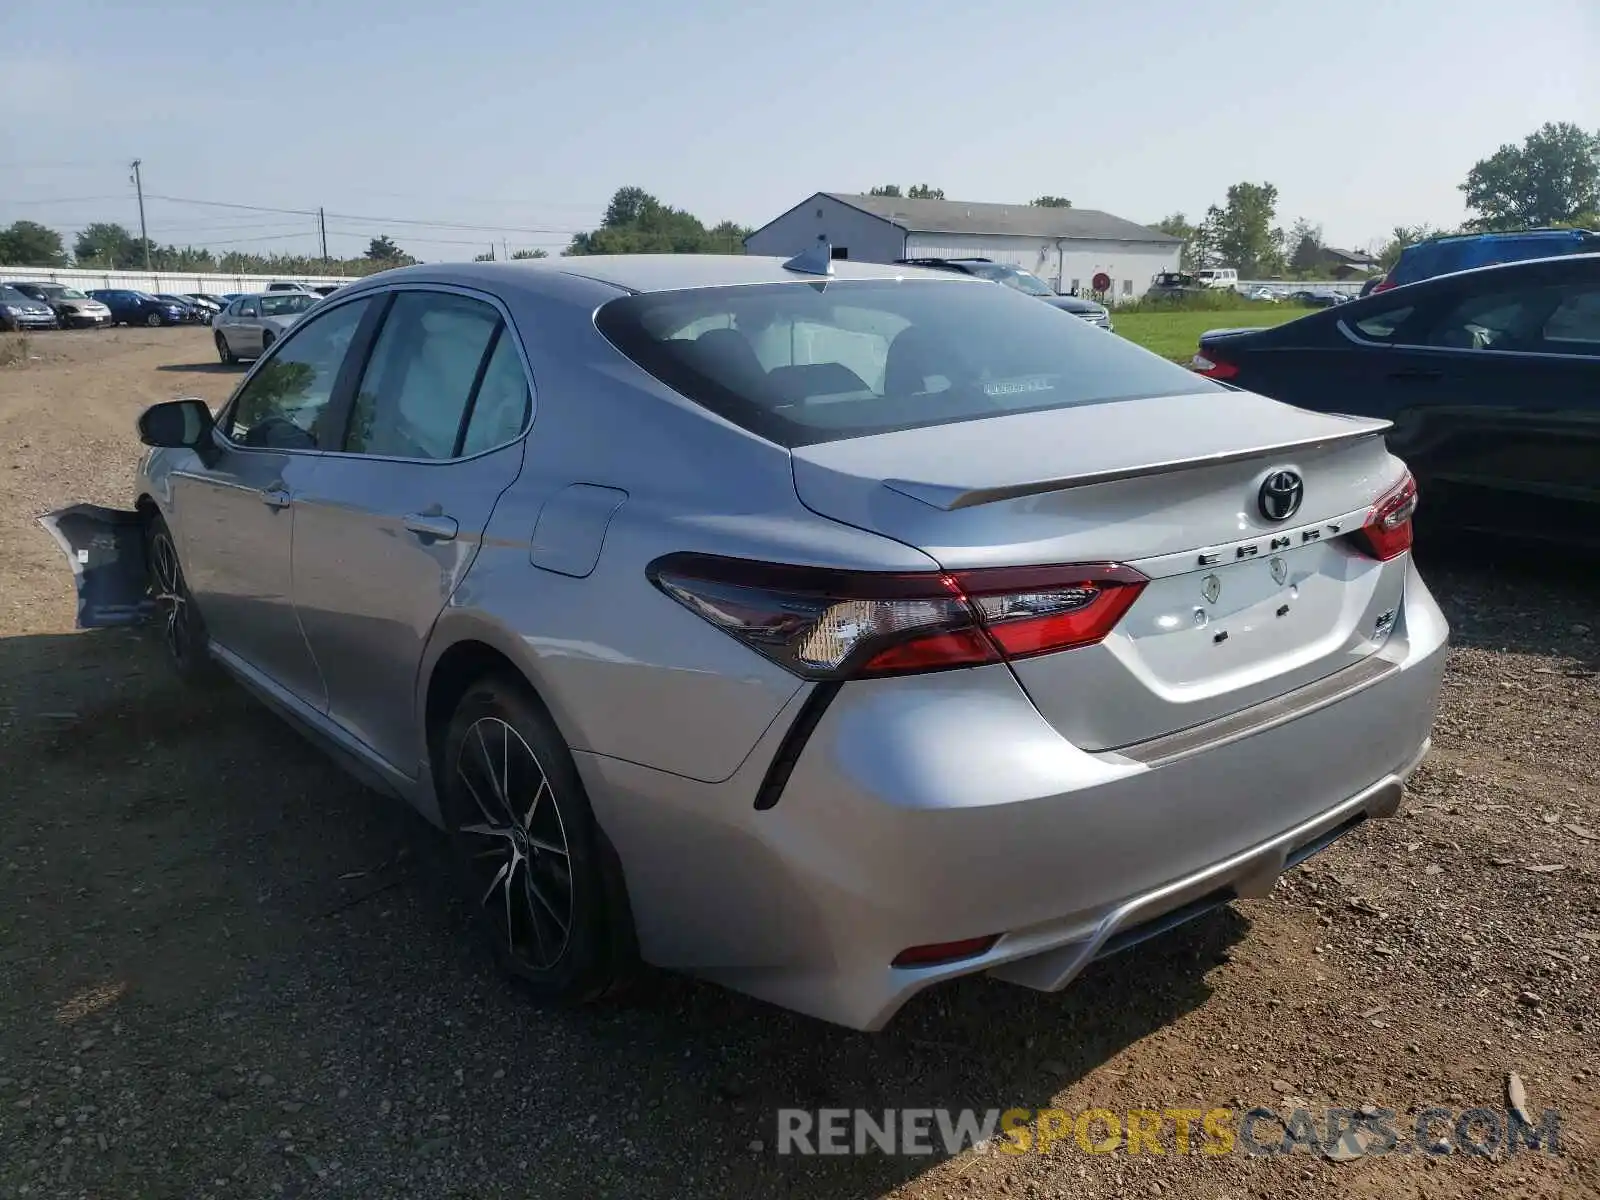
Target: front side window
x,y
282,403
427,361
800,363
249,308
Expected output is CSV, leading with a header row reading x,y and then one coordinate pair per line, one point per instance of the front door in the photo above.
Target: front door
x,y
386,529
236,514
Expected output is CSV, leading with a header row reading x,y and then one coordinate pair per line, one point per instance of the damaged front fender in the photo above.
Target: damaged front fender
x,y
106,549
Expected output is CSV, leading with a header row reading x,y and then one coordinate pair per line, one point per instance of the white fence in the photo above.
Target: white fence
x,y
1282,287
178,282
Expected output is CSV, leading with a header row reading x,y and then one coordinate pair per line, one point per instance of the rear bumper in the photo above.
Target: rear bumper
x,y
937,808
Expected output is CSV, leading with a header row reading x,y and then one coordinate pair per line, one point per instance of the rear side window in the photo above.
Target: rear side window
x,y
1382,326
414,394
806,362
1574,326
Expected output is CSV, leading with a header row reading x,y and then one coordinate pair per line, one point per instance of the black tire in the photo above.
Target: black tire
x,y
183,629
153,320
224,351
267,339
566,935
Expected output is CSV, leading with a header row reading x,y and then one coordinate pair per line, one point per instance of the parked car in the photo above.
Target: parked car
x,y
1489,376
1023,281
867,635
1169,285
289,287
139,308
249,325
326,289
1316,298
211,304
1462,252
73,309
1266,295
194,312
19,311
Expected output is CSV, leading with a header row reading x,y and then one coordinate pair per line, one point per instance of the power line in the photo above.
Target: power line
x,y
66,200
298,212
311,212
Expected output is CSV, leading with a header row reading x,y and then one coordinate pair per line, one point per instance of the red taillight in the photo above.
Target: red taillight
x,y
944,952
1210,364
828,624
1383,285
1386,532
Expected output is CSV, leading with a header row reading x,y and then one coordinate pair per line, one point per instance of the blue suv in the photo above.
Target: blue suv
x,y
139,308
1462,252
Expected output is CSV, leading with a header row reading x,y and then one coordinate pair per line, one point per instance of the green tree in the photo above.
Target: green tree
x,y
30,244
1553,178
1401,237
1050,202
627,206
1246,238
888,189
921,191
106,245
382,249
487,256
517,255
1304,246
638,223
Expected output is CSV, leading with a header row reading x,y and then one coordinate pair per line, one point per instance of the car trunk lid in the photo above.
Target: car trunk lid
x,y
1239,608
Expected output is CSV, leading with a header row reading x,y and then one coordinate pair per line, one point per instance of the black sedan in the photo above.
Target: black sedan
x,y
1491,377
129,307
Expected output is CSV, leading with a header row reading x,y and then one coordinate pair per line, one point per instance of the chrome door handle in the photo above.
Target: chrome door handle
x,y
433,527
275,498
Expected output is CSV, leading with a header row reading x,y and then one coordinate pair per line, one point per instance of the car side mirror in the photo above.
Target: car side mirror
x,y
177,423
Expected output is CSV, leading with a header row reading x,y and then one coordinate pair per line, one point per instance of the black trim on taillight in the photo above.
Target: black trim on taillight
x,y
783,762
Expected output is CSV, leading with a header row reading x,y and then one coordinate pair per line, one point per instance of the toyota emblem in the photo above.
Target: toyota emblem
x,y
1280,495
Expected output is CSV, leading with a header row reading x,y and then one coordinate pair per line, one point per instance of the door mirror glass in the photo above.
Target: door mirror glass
x,y
175,423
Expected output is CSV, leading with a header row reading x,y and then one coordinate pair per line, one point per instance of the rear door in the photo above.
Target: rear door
x,y
1503,419
388,526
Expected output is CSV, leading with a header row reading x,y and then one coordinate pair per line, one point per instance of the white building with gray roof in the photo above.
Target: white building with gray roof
x,y
1066,247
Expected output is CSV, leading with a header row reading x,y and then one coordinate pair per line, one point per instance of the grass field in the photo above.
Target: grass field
x,y
1175,335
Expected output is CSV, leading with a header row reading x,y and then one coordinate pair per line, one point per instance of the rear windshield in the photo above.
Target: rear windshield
x,y
801,363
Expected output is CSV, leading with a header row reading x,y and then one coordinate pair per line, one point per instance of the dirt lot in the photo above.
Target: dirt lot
x,y
227,971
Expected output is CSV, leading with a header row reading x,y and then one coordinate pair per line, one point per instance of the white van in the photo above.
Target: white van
x,y
1218,277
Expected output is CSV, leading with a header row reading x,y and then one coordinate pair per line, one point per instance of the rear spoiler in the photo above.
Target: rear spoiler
x,y
948,498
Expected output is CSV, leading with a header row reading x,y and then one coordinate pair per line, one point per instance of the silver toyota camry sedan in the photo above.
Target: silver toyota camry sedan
x,y
825,629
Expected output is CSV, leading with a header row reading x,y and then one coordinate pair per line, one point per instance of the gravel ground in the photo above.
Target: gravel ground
x,y
225,970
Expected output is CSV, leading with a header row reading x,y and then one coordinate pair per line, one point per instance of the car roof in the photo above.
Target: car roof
x,y
643,272
1591,257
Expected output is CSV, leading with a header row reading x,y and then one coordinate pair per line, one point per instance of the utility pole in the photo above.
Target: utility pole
x,y
144,238
322,226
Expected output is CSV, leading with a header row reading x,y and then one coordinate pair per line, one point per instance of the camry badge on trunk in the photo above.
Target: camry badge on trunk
x,y
1280,570
1280,495
1211,588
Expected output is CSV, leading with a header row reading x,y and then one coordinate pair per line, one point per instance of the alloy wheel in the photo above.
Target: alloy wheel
x,y
516,846
172,600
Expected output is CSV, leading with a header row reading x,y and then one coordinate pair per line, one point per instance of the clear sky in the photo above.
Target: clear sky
x,y
525,115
